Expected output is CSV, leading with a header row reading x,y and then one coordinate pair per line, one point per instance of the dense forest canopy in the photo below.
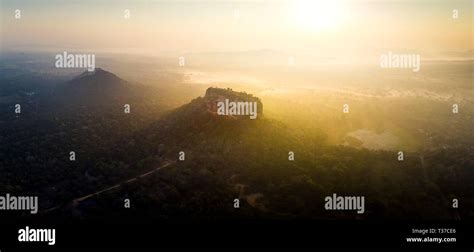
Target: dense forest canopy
x,y
227,159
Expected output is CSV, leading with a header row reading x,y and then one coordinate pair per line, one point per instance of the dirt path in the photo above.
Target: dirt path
x,y
78,200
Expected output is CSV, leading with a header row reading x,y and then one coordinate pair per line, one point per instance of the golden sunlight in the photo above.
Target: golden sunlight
x,y
318,15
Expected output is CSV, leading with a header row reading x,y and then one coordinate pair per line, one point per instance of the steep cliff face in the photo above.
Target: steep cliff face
x,y
236,105
198,121
203,111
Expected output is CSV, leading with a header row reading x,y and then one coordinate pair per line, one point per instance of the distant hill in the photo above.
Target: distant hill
x,y
98,87
97,80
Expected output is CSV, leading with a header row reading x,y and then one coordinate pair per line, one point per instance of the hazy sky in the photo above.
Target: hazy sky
x,y
315,27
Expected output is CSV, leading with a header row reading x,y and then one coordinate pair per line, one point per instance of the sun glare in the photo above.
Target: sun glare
x,y
318,15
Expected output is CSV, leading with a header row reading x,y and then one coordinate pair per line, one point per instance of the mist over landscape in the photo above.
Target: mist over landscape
x,y
335,152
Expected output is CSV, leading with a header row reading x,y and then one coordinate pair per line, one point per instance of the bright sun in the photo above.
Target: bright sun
x,y
318,15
